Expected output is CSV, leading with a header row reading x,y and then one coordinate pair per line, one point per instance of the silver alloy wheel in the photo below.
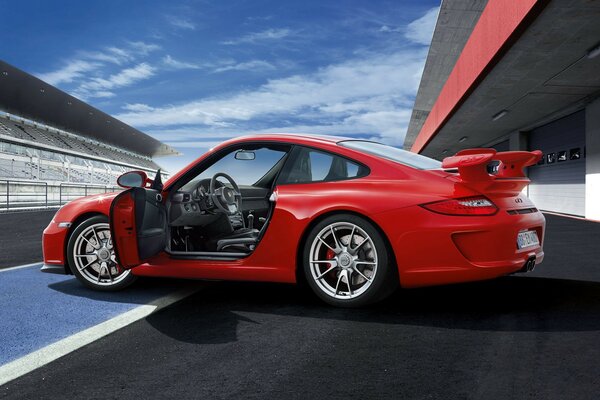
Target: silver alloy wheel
x,y
343,260
95,258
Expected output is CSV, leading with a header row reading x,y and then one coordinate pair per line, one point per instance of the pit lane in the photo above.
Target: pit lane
x,y
526,336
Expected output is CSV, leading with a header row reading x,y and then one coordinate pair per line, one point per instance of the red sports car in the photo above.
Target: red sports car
x,y
353,218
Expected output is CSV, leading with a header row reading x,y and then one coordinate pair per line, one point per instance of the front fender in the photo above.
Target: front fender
x,y
56,234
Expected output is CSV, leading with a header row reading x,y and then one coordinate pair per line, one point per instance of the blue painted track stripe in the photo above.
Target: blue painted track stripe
x,y
39,309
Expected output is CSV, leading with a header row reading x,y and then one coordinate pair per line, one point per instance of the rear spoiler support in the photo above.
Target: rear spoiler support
x,y
472,163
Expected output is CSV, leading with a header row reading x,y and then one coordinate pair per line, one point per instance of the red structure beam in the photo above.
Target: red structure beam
x,y
500,24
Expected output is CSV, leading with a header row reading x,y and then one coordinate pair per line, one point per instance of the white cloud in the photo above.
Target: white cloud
x,y
420,31
111,55
144,48
181,23
198,144
386,28
176,64
222,65
103,94
254,65
137,107
367,95
101,87
255,37
186,132
120,55
71,71
125,77
90,63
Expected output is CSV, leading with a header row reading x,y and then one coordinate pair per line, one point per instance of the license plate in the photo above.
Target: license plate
x,y
527,239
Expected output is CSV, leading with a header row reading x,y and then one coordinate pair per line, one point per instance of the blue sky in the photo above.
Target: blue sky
x,y
194,73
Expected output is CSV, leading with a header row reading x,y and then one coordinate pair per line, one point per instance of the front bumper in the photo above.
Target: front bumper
x,y
53,245
54,269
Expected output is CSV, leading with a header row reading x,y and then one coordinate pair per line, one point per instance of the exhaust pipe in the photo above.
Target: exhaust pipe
x,y
529,265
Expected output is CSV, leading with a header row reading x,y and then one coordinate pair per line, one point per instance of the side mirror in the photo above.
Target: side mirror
x,y
245,155
132,179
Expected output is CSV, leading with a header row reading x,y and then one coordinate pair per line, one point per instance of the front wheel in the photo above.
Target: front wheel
x,y
347,263
92,258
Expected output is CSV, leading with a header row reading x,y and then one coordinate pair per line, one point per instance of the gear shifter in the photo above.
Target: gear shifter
x,y
251,219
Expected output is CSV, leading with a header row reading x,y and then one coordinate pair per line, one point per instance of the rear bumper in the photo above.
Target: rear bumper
x,y
434,249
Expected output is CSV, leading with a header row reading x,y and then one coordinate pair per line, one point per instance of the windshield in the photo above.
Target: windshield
x,y
392,153
246,172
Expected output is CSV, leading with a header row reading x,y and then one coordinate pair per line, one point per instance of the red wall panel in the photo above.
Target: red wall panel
x,y
499,23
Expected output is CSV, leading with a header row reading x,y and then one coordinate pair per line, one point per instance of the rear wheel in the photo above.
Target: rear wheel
x,y
346,262
92,259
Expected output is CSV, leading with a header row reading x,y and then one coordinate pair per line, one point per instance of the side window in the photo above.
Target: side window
x,y
308,165
320,164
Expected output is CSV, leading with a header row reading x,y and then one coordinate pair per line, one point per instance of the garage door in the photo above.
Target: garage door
x,y
558,181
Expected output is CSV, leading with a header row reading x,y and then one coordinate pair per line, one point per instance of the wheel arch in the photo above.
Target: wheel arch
x,y
76,222
300,279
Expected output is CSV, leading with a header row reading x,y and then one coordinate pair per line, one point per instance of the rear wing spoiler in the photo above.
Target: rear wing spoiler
x,y
472,164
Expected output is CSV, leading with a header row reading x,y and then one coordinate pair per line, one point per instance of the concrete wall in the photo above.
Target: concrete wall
x,y
592,164
518,141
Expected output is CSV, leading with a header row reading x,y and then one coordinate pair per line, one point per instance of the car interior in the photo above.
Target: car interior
x,y
223,207
226,208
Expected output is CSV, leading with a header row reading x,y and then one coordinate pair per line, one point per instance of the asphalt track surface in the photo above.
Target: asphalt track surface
x,y
68,307
21,236
519,337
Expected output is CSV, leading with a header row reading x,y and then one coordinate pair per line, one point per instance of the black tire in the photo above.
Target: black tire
x,y
122,283
385,280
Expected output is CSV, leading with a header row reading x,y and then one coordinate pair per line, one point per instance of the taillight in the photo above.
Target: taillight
x,y
477,205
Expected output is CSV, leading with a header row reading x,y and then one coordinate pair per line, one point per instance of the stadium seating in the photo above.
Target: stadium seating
x,y
21,161
53,138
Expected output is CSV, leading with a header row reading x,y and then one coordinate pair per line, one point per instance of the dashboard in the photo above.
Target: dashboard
x,y
196,208
189,209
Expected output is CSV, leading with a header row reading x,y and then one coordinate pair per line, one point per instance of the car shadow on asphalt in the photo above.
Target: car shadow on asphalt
x,y
141,292
510,304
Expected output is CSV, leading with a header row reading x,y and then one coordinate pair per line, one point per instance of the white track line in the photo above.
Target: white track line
x,y
21,266
45,355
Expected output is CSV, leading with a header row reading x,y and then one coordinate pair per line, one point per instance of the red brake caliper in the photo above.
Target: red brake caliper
x,y
330,255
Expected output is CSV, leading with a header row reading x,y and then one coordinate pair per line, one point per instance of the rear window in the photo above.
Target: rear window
x,y
309,165
392,153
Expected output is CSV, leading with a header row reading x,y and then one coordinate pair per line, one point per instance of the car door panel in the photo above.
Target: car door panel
x,y
138,226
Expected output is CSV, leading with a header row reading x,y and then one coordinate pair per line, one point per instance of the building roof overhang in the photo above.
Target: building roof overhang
x,y
26,96
545,67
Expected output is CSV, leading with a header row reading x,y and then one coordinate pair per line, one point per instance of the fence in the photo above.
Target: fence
x,y
71,191
23,195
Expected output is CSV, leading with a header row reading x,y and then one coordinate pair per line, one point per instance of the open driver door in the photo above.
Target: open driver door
x,y
138,225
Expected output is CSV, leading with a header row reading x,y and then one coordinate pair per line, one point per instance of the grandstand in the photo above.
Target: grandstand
x,y
54,147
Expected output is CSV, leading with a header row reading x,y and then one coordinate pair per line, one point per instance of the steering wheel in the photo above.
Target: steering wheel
x,y
225,198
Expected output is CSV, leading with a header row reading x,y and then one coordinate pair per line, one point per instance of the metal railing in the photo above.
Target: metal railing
x,y
65,195
21,195
23,192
